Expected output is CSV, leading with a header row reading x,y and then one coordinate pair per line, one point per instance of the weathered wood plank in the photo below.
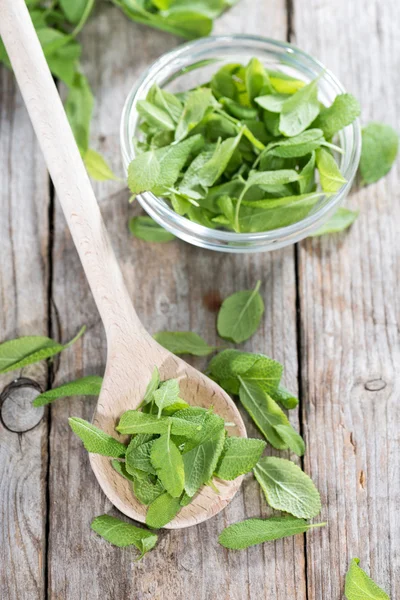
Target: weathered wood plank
x,y
349,321
174,287
24,238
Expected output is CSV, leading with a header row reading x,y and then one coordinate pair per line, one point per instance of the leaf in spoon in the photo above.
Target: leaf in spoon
x,y
168,463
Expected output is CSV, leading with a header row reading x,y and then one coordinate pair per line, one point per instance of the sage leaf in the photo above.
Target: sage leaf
x,y
276,214
286,487
264,411
152,386
121,469
167,394
256,531
201,460
228,365
212,170
148,230
330,176
293,439
146,491
359,586
264,372
194,109
23,351
272,102
155,116
73,9
97,166
162,510
167,460
85,386
137,457
283,83
300,110
240,315
380,144
184,342
297,146
284,397
79,108
342,112
95,440
123,534
133,421
306,182
157,170
341,220
257,80
239,456
166,101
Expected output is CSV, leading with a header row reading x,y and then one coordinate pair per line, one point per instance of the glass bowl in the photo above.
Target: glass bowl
x,y
193,64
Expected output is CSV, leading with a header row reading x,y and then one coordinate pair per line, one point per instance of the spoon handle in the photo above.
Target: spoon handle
x,y
67,170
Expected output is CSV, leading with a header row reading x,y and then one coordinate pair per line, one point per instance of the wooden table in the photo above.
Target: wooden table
x,y
330,318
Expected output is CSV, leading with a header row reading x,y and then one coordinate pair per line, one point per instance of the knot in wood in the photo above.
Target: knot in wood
x,y
17,412
375,385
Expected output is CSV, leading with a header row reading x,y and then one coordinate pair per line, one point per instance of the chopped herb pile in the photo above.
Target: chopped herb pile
x,y
249,151
174,450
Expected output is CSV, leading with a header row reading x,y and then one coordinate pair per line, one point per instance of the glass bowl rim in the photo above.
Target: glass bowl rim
x,y
310,222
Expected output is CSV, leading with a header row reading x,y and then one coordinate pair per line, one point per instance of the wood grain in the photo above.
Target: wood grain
x,y
173,287
349,297
24,238
348,317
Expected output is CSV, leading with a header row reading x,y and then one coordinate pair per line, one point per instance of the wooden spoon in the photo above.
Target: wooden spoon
x,y
132,352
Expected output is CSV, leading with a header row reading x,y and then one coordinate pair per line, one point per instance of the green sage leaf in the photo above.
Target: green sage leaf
x,y
95,440
380,144
168,462
300,110
23,351
361,587
239,456
286,487
85,386
162,510
148,230
123,534
240,315
256,531
184,342
341,220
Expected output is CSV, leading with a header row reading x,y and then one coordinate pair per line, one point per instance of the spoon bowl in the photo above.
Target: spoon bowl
x,y
123,389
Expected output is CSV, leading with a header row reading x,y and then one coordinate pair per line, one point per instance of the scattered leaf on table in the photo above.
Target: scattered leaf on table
x,y
287,487
380,143
85,386
184,342
361,587
341,220
256,531
23,351
240,315
97,166
123,534
146,229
